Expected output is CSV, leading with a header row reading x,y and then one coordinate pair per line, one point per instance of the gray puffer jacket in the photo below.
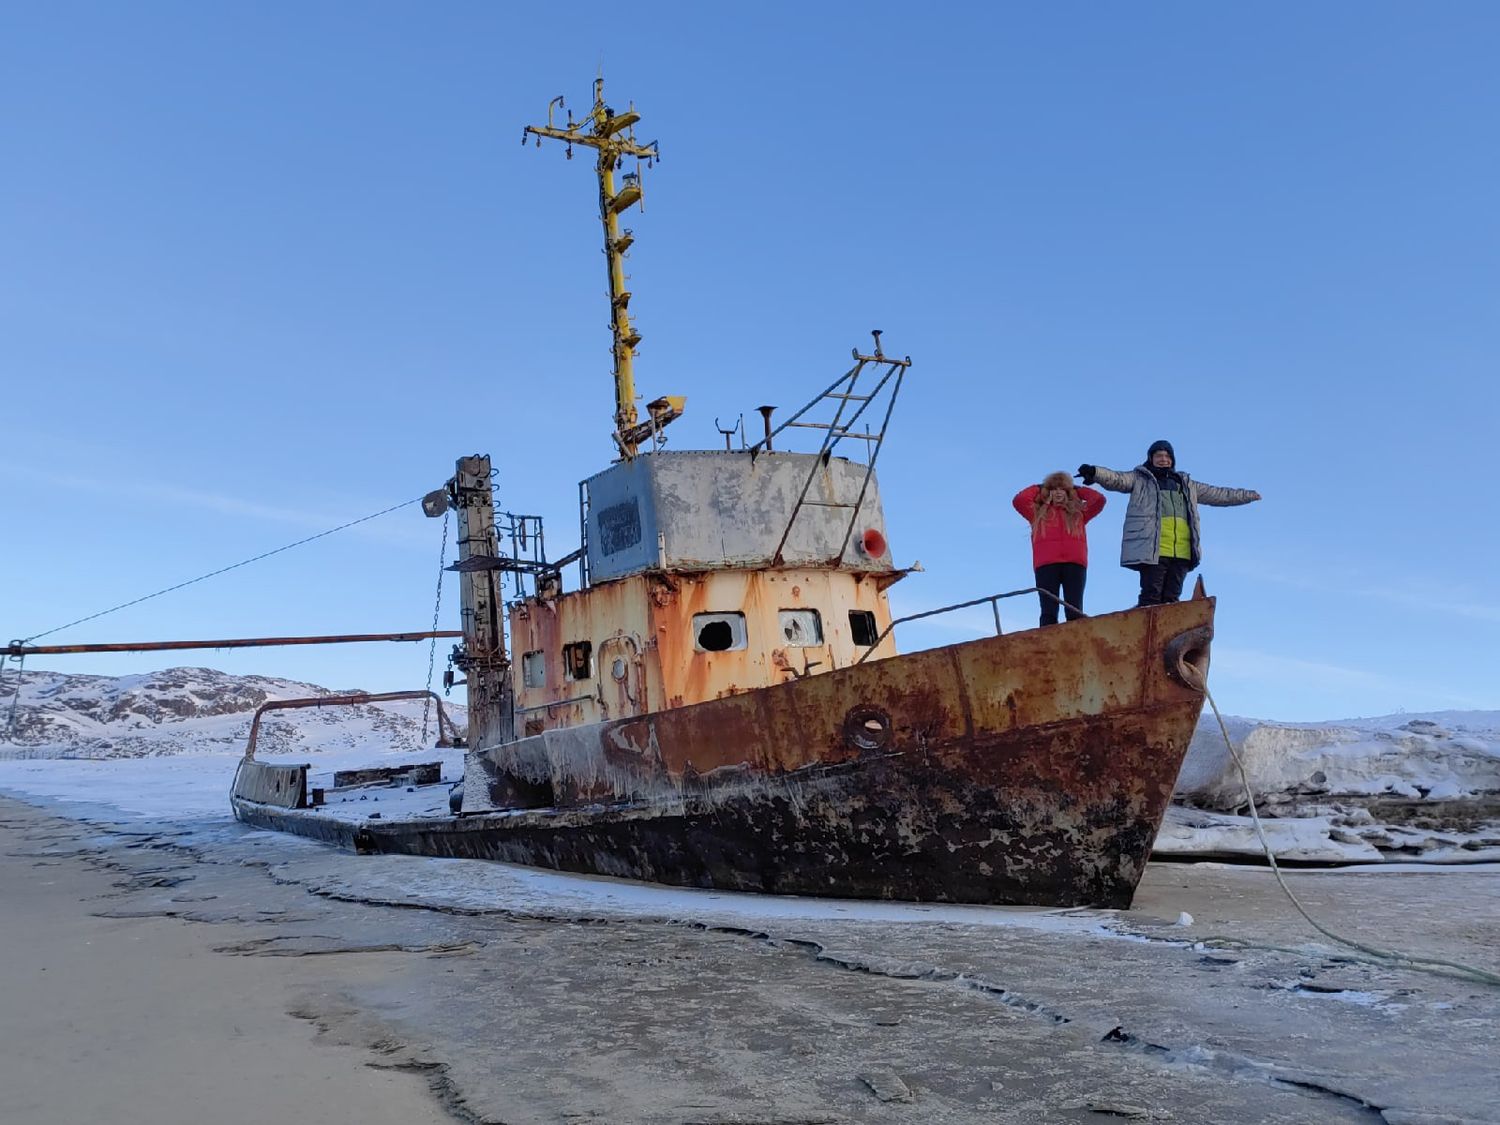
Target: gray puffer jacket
x,y
1141,545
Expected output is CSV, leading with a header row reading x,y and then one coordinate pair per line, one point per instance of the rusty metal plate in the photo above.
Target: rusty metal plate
x,y
1031,768
282,786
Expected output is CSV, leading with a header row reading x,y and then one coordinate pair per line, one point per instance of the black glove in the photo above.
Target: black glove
x,y
1086,474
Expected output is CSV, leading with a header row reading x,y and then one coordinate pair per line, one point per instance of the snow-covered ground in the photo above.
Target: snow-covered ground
x,y
1400,788
184,786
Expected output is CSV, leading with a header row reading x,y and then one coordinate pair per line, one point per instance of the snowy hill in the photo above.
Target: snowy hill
x,y
190,710
1439,756
1422,787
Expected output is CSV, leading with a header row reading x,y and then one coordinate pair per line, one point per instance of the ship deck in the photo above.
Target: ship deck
x,y
377,803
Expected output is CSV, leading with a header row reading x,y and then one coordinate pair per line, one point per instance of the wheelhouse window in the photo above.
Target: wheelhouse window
x,y
719,632
578,660
862,627
802,628
534,669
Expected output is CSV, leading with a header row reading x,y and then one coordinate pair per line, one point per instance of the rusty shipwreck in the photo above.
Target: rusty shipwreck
x,y
718,702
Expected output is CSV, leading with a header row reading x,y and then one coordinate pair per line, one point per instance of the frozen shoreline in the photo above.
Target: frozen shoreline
x,y
1397,788
618,1002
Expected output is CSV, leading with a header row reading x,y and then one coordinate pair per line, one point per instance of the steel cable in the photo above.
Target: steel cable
x,y
221,570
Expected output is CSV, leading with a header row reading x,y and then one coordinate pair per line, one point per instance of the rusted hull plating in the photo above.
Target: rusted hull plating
x,y
1033,768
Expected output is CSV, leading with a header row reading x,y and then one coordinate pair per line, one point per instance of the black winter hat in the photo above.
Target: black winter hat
x,y
1166,445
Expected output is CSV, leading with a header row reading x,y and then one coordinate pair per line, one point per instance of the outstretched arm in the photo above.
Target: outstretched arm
x,y
1107,478
1214,496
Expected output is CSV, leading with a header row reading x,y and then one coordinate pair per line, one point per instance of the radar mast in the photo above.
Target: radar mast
x,y
612,135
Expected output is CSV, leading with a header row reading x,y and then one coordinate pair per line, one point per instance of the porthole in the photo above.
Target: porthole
x,y
867,728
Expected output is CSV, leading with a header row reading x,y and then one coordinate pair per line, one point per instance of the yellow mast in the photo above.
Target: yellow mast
x,y
613,136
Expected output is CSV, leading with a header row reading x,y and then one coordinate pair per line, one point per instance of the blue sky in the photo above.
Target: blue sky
x,y
267,268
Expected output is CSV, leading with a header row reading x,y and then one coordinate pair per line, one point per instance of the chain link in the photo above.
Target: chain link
x,y
15,700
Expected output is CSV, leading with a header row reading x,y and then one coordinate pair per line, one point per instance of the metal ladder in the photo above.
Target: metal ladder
x,y
844,392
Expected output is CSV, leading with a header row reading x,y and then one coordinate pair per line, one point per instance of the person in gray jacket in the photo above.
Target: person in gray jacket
x,y
1161,519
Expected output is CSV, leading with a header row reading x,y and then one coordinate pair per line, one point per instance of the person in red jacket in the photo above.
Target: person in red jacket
x,y
1058,513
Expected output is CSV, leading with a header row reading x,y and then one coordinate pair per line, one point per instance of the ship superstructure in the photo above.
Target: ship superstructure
x,y
700,573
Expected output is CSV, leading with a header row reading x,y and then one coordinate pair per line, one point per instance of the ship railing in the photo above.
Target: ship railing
x,y
992,600
446,732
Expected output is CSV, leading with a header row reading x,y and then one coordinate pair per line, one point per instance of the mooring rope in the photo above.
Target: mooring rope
x,y
1375,955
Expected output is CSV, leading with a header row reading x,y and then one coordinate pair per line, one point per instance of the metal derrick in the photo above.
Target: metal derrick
x,y
612,136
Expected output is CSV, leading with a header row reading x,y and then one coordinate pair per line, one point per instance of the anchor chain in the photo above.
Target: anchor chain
x,y
15,700
437,603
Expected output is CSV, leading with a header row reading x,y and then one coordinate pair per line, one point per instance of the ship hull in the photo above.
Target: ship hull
x,y
1033,768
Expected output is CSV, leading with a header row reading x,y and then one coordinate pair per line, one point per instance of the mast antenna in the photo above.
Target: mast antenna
x,y
612,136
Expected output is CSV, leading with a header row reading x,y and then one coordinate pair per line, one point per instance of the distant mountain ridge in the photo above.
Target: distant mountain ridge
x,y
192,710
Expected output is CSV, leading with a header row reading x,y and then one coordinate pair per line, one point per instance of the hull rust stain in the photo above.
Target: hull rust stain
x,y
1032,768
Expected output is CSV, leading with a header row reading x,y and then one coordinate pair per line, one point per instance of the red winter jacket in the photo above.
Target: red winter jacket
x,y
1053,544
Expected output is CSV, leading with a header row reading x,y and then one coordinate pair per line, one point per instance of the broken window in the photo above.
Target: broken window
x,y
619,527
719,632
862,627
534,669
578,660
802,628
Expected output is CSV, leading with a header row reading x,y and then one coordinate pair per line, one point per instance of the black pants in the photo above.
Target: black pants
x,y
1162,582
1064,580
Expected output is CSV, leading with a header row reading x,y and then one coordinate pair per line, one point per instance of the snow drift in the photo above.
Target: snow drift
x,y
1399,787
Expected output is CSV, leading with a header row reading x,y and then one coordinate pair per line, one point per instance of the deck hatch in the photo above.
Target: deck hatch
x,y
534,669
